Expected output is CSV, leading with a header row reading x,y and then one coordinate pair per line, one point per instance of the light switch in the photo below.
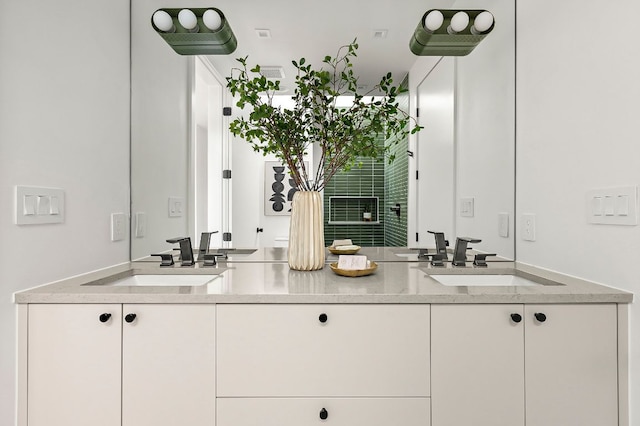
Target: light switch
x,y
30,202
622,205
597,206
503,224
176,206
467,207
38,205
609,206
54,208
613,206
141,224
44,205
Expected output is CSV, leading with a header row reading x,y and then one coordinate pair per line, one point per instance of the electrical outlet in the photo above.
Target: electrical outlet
x,y
118,226
176,206
529,227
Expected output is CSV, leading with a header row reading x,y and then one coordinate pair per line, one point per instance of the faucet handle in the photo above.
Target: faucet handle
x,y
470,240
210,259
166,259
437,259
480,259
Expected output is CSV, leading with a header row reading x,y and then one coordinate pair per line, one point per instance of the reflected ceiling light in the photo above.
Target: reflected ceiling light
x,y
195,31
263,33
444,32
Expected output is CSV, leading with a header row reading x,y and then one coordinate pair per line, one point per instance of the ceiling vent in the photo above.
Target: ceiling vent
x,y
272,73
380,33
263,33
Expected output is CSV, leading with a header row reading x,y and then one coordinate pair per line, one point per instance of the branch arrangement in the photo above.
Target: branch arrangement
x,y
342,133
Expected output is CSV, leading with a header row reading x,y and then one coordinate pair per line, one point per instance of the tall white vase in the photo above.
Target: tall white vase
x,y
306,232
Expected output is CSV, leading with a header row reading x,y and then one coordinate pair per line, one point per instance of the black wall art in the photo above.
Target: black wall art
x,y
278,189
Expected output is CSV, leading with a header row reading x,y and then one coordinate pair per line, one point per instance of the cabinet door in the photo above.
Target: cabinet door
x,y
168,365
74,365
333,412
477,365
571,365
323,350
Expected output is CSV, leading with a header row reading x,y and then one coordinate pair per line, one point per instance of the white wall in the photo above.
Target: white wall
x,y
577,129
64,122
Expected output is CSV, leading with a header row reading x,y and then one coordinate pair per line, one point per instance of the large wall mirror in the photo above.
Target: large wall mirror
x,y
180,143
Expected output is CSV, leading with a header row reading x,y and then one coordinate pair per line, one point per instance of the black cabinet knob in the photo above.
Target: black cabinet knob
x,y
105,317
540,316
130,318
516,318
324,414
323,318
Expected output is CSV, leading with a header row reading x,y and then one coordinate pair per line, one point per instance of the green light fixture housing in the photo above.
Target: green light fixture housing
x,y
450,32
195,31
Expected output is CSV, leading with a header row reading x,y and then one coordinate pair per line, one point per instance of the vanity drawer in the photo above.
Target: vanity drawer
x,y
323,350
333,412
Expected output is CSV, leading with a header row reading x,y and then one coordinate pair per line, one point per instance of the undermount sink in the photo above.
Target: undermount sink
x,y
235,251
506,280
143,280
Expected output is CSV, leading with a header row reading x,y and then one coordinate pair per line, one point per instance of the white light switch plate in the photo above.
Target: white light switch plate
x,y
503,225
467,207
38,205
613,206
141,224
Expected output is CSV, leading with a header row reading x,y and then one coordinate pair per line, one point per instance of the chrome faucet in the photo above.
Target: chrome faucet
x,y
460,250
186,251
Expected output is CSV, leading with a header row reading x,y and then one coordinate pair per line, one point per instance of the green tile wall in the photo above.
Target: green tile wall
x,y
365,181
396,175
373,179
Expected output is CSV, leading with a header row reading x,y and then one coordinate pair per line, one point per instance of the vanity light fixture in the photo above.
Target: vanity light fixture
x,y
450,32
195,31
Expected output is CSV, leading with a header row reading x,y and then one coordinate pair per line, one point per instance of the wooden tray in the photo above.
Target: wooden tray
x,y
338,251
353,272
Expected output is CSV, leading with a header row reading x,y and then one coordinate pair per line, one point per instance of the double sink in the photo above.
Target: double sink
x,y
450,278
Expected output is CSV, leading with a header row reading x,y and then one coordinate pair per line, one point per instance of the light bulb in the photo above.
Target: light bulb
x,y
433,20
212,19
188,19
162,20
482,23
459,22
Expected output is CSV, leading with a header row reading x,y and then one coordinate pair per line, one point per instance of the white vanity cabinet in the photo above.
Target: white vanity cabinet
x,y
533,365
285,364
115,364
73,365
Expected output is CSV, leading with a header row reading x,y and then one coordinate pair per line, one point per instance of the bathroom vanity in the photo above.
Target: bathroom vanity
x,y
254,343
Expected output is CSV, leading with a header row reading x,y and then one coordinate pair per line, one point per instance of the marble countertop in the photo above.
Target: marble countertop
x,y
265,277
